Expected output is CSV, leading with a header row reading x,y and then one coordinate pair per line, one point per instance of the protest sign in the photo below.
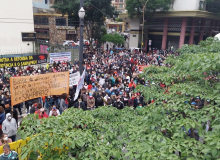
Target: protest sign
x,y
29,87
74,79
64,56
23,61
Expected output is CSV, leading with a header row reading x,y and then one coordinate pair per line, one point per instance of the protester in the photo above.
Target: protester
x,y
90,101
9,127
63,105
80,105
5,140
8,154
41,112
2,115
54,111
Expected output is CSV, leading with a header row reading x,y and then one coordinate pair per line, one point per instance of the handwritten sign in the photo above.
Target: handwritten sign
x,y
74,79
29,87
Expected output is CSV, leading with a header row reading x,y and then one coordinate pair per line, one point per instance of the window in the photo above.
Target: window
x,y
41,21
61,21
116,0
46,1
121,0
121,6
134,35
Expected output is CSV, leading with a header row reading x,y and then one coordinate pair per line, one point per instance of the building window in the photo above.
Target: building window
x,y
46,1
121,6
134,35
41,21
121,0
116,0
61,21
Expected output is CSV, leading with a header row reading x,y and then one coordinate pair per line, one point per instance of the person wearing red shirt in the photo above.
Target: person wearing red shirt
x,y
89,86
40,112
132,84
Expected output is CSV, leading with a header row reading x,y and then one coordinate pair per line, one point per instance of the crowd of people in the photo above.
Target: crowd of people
x,y
111,79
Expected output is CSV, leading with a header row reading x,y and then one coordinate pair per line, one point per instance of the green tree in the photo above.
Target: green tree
x,y
94,17
115,38
211,45
135,7
213,6
157,131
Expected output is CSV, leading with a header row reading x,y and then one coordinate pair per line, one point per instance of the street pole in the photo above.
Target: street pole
x,y
81,42
142,39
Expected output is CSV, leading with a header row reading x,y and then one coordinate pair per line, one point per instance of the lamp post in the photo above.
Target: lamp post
x,y
81,25
142,39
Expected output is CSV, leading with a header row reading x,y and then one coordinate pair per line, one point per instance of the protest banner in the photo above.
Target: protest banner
x,y
29,87
64,56
80,84
23,61
74,79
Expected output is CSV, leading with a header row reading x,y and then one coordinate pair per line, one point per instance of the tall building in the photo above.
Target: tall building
x,y
186,22
119,5
16,27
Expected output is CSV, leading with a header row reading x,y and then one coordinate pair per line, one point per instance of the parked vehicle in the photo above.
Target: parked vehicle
x,y
69,43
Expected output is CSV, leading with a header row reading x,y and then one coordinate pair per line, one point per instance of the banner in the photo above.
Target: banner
x,y
80,84
64,56
23,61
74,79
29,87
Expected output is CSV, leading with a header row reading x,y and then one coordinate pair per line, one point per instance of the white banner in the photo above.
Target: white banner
x,y
80,84
74,79
64,56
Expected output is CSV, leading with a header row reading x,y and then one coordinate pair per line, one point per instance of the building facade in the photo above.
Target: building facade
x,y
120,5
16,20
50,25
184,23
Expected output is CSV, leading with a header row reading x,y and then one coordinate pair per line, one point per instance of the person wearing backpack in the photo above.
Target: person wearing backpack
x,y
99,100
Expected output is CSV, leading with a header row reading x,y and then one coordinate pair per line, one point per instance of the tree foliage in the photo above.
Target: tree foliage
x,y
94,17
211,45
157,131
213,6
114,38
135,7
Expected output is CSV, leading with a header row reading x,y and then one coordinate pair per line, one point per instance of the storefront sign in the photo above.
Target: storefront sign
x,y
29,87
28,36
64,56
23,61
74,79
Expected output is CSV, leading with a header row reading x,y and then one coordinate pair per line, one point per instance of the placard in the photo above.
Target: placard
x,y
29,87
23,61
64,56
74,79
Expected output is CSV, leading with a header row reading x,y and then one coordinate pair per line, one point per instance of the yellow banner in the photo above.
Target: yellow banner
x,y
29,87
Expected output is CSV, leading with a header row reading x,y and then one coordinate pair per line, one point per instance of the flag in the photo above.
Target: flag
x,y
80,84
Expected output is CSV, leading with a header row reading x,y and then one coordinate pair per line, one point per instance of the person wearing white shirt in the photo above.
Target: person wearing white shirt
x,y
54,111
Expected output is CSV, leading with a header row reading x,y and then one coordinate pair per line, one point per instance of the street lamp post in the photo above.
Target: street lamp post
x,y
81,25
142,39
